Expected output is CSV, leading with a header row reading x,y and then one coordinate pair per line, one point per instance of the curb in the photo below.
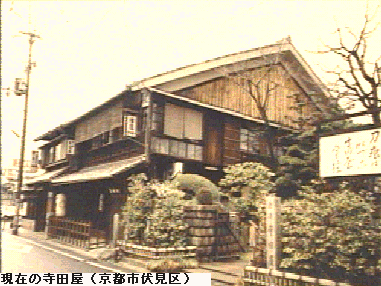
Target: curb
x,y
220,271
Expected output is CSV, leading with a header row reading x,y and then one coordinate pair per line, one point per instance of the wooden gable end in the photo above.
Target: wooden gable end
x,y
232,93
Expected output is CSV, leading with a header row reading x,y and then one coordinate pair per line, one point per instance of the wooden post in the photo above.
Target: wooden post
x,y
60,205
147,135
88,236
115,229
49,212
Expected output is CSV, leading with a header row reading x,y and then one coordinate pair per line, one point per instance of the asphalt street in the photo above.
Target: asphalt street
x,y
20,256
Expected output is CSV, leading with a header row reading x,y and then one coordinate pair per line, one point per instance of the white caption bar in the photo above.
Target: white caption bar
x,y
136,279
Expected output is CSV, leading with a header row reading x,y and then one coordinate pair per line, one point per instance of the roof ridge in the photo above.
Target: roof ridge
x,y
209,64
286,40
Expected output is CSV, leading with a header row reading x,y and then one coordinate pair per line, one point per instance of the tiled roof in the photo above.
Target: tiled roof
x,y
46,177
310,81
102,171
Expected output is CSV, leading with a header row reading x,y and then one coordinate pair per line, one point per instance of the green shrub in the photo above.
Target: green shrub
x,y
192,184
138,207
247,184
153,214
331,234
204,197
166,226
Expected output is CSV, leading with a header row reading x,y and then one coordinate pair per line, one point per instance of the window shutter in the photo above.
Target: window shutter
x,y
174,121
181,122
192,124
51,154
57,152
61,151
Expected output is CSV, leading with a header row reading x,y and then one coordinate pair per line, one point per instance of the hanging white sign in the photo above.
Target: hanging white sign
x,y
351,154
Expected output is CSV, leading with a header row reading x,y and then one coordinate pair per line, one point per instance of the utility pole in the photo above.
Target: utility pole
x,y
18,92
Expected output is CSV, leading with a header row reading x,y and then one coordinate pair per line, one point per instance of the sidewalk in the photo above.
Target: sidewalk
x,y
223,273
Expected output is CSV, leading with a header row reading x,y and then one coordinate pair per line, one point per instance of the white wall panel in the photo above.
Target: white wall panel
x,y
174,121
193,124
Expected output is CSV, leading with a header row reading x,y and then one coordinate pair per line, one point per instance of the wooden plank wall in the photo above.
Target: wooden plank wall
x,y
232,93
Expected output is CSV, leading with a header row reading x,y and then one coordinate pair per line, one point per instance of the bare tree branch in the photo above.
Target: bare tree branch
x,y
360,77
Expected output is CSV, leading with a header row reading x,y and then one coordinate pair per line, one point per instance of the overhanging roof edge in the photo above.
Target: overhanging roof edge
x,y
48,178
79,118
84,175
189,70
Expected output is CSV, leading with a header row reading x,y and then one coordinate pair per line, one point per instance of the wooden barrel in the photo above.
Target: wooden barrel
x,y
210,232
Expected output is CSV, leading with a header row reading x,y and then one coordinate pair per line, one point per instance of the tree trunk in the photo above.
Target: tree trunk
x,y
376,119
375,105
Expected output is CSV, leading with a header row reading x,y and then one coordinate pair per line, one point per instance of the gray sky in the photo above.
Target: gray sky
x,y
90,50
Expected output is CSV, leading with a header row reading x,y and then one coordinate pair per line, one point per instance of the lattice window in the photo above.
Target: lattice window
x,y
250,140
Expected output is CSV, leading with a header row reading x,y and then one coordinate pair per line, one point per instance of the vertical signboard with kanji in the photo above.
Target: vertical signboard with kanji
x,y
273,231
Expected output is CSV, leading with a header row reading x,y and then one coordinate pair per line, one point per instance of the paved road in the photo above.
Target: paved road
x,y
20,256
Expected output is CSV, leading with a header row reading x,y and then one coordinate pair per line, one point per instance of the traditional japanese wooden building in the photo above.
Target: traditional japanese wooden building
x,y
195,119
